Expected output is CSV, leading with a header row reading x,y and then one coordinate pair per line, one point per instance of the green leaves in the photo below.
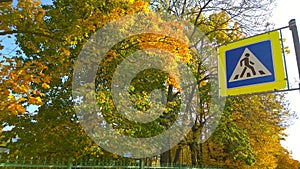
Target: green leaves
x,y
52,36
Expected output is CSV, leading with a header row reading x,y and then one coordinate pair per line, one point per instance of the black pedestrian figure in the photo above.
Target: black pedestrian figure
x,y
248,65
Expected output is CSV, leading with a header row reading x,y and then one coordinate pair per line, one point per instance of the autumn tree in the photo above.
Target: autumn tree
x,y
16,76
51,38
262,124
285,161
223,22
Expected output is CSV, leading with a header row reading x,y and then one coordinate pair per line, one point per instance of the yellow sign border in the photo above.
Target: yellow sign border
x,y
280,79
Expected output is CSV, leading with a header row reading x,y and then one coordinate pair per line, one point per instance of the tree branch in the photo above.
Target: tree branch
x,y
199,13
26,32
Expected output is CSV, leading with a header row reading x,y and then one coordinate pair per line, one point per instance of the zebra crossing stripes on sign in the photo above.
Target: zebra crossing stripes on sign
x,y
249,67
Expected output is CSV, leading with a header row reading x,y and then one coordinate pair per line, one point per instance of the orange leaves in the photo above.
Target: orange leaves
x,y
35,100
160,41
16,109
26,12
168,49
65,52
45,86
137,6
16,80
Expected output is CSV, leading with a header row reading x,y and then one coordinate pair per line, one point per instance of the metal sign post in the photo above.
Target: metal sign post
x,y
293,28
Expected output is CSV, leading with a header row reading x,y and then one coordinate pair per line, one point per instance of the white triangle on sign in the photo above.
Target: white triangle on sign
x,y
248,67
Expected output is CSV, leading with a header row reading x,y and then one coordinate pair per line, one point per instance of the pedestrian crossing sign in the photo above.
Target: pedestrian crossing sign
x,y
251,65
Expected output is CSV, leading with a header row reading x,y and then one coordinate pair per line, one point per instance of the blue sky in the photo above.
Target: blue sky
x,y
42,1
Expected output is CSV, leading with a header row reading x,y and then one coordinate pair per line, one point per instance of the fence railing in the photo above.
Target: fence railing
x,y
7,162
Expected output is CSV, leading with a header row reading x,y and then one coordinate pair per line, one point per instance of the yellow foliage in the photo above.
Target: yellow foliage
x,y
35,100
45,86
15,87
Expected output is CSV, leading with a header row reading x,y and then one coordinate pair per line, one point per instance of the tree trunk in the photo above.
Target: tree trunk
x,y
165,158
177,155
200,156
193,149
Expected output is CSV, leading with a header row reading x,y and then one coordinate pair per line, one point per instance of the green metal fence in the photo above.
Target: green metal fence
x,y
7,162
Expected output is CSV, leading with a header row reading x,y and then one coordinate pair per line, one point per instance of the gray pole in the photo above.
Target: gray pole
x,y
293,28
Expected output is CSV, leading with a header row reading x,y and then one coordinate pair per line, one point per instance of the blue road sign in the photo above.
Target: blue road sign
x,y
259,68
251,65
